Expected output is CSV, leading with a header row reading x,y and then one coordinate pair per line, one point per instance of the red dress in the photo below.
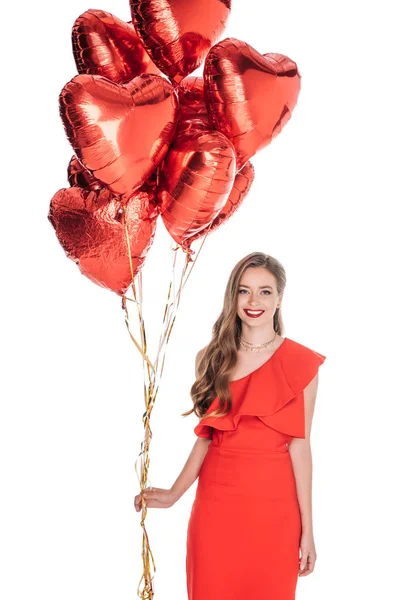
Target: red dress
x,y
244,530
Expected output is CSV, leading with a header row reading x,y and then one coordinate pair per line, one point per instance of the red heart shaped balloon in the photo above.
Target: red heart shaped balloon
x,y
191,99
120,133
195,181
249,96
104,45
241,187
78,176
90,227
178,33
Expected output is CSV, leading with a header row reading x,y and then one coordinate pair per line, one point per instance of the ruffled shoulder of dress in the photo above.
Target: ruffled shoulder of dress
x,y
273,392
300,364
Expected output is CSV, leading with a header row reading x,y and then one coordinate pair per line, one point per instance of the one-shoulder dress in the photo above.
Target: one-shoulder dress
x,y
244,530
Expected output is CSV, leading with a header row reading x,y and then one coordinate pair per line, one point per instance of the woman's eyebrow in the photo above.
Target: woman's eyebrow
x,y
260,287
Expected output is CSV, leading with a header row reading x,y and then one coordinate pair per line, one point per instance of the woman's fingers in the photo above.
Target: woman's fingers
x,y
138,502
155,498
138,499
307,563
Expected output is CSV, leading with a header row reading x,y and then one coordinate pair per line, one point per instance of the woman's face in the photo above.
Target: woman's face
x,y
257,293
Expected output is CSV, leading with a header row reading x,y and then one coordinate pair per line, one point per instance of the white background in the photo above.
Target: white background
x,y
323,202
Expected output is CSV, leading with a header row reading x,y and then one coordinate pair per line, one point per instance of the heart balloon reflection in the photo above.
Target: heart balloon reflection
x,y
241,187
178,33
90,226
119,132
191,99
104,45
78,176
195,181
249,96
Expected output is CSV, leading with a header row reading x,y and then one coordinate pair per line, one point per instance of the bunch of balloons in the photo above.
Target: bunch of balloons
x,y
150,140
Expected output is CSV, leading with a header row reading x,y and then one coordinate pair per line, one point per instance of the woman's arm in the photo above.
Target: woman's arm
x,y
165,498
191,469
193,464
300,453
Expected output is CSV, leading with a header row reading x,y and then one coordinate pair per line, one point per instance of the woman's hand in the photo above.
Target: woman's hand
x,y
155,498
308,555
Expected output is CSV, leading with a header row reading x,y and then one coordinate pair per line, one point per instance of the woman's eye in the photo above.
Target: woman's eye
x,y
268,292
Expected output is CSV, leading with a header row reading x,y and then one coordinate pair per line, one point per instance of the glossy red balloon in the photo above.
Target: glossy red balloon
x,y
191,99
78,176
104,45
241,187
178,33
249,96
120,133
196,179
89,225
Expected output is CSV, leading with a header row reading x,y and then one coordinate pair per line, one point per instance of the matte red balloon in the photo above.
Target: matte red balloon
x,y
178,33
89,225
104,45
120,133
241,187
249,96
196,179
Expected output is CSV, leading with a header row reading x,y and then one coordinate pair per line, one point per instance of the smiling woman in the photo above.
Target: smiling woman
x,y
249,395
254,298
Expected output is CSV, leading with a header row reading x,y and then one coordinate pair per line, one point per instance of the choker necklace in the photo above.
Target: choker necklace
x,y
249,347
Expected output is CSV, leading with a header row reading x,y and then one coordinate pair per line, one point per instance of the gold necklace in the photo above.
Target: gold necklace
x,y
249,347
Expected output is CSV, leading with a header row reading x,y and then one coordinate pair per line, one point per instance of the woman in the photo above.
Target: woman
x,y
250,533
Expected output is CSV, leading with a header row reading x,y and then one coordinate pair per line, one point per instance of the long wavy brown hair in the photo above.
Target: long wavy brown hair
x,y
215,361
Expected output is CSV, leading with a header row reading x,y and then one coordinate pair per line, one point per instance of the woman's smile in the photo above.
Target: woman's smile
x,y
253,313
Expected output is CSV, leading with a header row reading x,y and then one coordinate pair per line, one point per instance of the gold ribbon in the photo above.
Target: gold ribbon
x,y
152,377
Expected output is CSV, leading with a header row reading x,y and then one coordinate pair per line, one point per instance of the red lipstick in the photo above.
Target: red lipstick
x,y
253,313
